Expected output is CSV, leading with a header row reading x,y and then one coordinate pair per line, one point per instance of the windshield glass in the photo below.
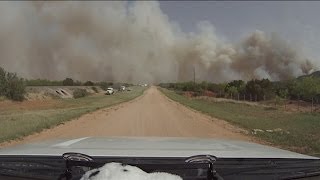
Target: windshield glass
x,y
238,81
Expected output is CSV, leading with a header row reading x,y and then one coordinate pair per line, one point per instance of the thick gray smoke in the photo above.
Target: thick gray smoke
x,y
136,42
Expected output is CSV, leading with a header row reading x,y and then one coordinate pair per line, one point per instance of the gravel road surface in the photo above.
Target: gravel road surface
x,y
152,114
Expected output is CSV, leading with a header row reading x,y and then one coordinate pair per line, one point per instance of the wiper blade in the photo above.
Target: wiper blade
x,y
298,175
30,172
30,167
289,169
252,168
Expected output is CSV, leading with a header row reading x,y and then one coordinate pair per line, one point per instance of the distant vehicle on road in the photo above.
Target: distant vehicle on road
x,y
143,85
122,88
109,91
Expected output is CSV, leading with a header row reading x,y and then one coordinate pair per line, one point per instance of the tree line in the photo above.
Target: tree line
x,y
71,82
306,88
65,82
14,87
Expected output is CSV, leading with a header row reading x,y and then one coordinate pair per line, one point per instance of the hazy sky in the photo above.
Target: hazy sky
x,y
159,41
296,22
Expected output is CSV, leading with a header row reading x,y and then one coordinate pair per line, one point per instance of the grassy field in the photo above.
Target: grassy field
x,y
300,131
17,120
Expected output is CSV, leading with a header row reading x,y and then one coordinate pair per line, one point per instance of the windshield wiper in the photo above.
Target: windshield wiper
x,y
279,169
29,169
301,174
75,159
212,173
214,169
82,160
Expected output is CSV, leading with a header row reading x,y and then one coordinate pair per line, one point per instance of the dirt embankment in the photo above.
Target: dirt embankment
x,y
152,114
56,92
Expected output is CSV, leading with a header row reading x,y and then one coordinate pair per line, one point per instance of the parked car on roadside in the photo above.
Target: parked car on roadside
x,y
109,91
122,88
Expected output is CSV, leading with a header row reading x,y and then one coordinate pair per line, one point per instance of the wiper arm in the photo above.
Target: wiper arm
x,y
299,175
212,173
73,159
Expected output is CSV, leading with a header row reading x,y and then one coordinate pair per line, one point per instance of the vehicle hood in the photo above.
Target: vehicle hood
x,y
152,147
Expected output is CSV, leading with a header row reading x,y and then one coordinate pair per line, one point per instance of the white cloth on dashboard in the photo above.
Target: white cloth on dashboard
x,y
117,171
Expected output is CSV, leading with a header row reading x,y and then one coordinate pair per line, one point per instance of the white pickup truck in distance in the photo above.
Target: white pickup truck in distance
x,y
109,91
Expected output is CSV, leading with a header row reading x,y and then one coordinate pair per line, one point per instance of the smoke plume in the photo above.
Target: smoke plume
x,y
131,42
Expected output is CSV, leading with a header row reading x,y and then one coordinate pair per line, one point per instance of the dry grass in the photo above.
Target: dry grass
x,y
19,119
299,130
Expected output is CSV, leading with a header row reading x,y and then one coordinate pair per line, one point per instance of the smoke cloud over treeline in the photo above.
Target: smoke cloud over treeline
x,y
136,42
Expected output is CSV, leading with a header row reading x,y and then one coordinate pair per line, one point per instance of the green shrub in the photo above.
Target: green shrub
x,y
2,98
105,85
88,83
95,89
179,92
77,83
78,93
68,82
11,86
42,82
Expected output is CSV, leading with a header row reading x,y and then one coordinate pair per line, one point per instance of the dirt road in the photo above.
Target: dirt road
x,y
152,114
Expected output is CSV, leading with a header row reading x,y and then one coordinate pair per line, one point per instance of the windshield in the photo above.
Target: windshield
x,y
238,81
